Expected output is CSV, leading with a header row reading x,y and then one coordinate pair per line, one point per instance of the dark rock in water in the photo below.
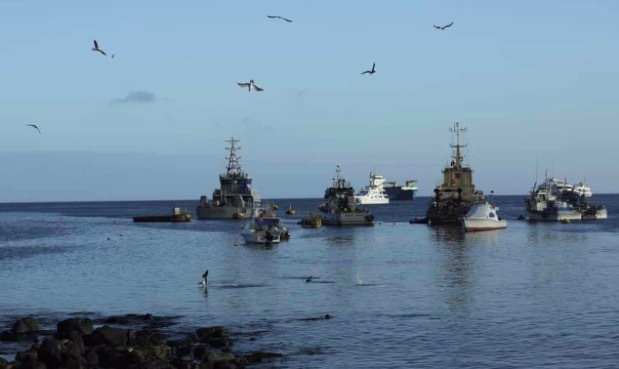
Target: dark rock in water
x,y
222,360
107,335
153,364
75,345
147,337
50,352
180,347
110,357
92,359
28,355
79,325
257,357
25,325
200,352
151,352
214,336
3,363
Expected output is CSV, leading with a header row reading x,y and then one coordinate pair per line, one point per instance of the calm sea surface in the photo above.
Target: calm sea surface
x,y
401,295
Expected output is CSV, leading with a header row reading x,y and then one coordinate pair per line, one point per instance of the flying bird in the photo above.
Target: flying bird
x,y
96,48
278,17
309,279
250,85
370,71
34,126
113,56
443,27
205,278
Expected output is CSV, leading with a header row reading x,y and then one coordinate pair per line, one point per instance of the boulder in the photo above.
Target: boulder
x,y
199,352
3,363
147,337
222,360
152,364
214,336
180,347
110,357
50,352
75,344
80,325
108,336
27,355
25,325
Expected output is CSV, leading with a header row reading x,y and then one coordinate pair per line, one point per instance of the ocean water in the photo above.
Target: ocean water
x,y
401,296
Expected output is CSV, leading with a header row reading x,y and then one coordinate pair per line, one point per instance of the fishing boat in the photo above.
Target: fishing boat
x,y
373,194
483,217
340,207
235,199
455,196
290,210
265,228
544,203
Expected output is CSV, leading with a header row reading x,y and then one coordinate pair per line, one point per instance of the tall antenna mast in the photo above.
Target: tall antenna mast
x,y
458,156
234,166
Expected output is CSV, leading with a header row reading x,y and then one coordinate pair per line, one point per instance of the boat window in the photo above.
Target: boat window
x,y
491,215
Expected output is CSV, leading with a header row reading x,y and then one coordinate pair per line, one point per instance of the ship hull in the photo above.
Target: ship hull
x,y
551,215
363,200
399,194
347,219
222,212
478,225
448,212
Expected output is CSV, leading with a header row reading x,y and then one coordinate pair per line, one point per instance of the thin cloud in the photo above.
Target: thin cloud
x,y
256,125
136,97
297,93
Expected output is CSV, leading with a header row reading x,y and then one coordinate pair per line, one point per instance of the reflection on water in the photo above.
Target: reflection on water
x,y
341,240
454,265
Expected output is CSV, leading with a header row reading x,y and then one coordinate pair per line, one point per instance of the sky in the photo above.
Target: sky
x,y
535,82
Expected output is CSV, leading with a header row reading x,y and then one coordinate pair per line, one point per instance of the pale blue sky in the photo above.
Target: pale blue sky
x,y
530,79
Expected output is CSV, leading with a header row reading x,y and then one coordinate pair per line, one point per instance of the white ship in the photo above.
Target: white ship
x,y
373,194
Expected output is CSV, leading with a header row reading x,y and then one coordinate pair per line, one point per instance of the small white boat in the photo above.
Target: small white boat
x,y
265,228
373,194
483,217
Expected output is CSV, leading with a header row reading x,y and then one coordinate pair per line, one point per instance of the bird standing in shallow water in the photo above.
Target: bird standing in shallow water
x,y
370,72
96,48
34,126
250,85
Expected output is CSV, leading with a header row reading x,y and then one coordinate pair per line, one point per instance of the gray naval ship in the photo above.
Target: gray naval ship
x,y
455,196
340,207
235,199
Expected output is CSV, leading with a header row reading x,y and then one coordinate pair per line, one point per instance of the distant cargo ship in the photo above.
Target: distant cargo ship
x,y
401,193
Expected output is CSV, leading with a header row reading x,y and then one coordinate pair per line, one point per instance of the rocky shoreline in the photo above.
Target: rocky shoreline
x,y
129,341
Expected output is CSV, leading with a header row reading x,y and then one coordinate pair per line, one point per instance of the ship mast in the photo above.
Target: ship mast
x,y
458,156
234,166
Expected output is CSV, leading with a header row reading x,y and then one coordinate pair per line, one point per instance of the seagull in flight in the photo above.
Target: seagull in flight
x,y
34,126
250,85
205,278
443,27
278,17
370,71
96,48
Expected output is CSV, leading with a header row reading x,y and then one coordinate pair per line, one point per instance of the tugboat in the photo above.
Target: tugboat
x,y
340,208
235,199
455,196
